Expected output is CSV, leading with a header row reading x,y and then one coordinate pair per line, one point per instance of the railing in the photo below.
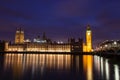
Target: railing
x,y
109,46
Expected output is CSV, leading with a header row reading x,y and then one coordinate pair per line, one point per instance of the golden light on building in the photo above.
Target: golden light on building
x,y
87,47
43,45
19,36
34,47
84,47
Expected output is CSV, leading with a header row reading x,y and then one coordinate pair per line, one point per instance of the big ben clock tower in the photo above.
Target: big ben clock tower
x,y
89,39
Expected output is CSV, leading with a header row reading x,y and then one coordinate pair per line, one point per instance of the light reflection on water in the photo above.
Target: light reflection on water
x,y
107,69
88,66
57,67
117,76
24,61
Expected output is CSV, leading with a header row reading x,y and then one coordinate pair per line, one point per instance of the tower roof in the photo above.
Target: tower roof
x,y
88,27
19,29
44,36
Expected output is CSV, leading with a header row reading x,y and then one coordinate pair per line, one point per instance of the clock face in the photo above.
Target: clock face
x,y
89,33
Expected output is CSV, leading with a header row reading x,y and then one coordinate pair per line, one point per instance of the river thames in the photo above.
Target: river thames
x,y
57,67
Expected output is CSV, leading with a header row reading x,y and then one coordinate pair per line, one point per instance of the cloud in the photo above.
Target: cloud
x,y
72,8
108,20
5,11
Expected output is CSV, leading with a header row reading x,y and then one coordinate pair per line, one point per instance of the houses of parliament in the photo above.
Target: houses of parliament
x,y
46,45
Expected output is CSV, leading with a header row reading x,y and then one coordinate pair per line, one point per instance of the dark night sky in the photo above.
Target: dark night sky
x,y
60,19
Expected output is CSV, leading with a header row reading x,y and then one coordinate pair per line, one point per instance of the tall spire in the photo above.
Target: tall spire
x,y
20,29
88,27
44,36
88,39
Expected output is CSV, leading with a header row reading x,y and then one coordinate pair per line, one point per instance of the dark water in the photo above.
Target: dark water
x,y
57,67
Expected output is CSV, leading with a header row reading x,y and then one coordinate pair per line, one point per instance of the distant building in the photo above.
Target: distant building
x,y
87,47
37,45
44,39
19,36
76,46
46,45
38,40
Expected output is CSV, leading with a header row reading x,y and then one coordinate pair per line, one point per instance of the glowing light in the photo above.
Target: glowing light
x,y
89,68
107,69
115,42
88,33
27,40
116,72
39,41
60,42
17,31
41,48
36,61
102,69
88,64
106,45
88,41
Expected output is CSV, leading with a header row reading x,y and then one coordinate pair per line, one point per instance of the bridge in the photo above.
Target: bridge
x,y
110,46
